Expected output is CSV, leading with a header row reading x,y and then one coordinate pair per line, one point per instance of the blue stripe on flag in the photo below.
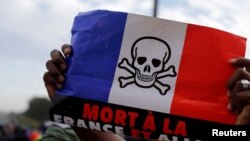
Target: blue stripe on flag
x,y
96,40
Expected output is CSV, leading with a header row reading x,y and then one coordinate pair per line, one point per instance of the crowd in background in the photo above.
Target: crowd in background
x,y
11,132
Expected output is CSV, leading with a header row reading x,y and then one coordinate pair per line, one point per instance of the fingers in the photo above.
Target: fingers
x,y
238,87
239,96
54,71
239,100
237,76
56,67
241,63
66,49
58,59
50,84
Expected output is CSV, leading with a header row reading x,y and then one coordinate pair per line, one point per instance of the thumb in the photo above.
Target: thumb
x,y
51,91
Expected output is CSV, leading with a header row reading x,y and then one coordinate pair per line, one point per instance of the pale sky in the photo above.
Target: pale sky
x,y
30,29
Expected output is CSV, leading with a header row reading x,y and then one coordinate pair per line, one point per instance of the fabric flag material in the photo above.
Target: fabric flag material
x,y
152,64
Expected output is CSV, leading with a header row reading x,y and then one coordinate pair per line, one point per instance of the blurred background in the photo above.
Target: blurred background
x,y
30,29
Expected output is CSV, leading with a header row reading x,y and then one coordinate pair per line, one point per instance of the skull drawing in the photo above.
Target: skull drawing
x,y
149,58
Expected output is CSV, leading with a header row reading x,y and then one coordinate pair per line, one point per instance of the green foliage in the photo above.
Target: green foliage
x,y
38,110
28,122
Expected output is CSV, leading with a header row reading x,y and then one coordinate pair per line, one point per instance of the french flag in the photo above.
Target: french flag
x,y
152,64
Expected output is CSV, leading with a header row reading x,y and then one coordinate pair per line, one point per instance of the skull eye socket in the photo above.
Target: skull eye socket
x,y
156,62
141,60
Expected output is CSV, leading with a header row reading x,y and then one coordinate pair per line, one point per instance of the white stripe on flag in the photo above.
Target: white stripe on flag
x,y
148,98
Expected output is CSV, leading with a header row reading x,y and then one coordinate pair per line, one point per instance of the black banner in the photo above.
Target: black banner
x,y
140,123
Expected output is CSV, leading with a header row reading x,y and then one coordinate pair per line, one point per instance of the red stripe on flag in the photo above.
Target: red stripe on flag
x,y
204,70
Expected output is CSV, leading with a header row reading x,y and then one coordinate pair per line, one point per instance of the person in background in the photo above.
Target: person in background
x,y
2,134
239,96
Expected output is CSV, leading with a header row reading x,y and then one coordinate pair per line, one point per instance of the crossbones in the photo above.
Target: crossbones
x,y
163,88
149,58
